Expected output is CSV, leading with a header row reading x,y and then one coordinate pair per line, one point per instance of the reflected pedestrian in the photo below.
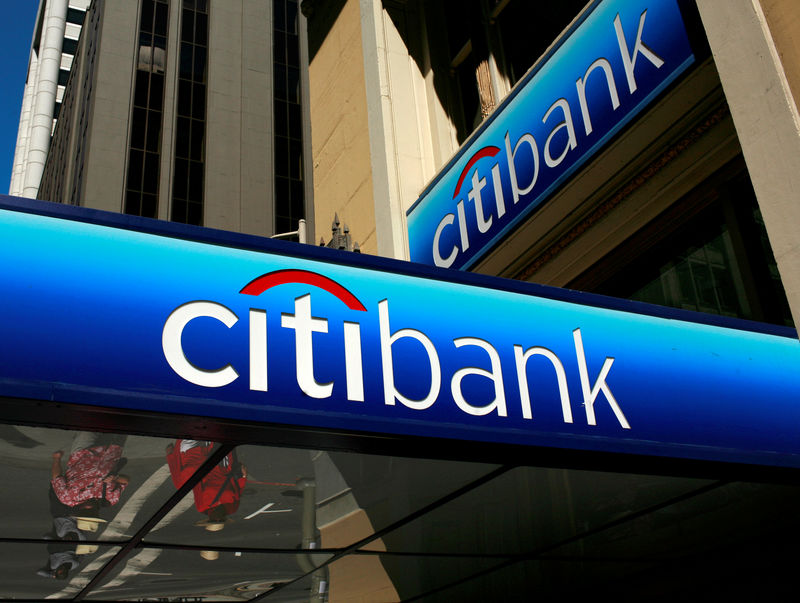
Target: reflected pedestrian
x,y
218,493
91,479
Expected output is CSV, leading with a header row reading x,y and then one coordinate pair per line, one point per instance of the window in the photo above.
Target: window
x,y
69,46
513,22
144,155
190,126
488,46
75,16
288,142
707,253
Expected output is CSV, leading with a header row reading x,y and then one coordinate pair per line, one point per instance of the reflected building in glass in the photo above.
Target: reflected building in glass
x,y
182,110
313,526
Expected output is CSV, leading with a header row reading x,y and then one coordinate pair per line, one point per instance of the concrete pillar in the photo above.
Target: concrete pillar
x,y
55,19
767,122
21,150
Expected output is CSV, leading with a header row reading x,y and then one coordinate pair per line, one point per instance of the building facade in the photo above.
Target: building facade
x,y
169,114
55,41
689,206
672,212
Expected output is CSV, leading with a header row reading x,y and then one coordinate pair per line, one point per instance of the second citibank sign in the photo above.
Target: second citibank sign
x,y
607,68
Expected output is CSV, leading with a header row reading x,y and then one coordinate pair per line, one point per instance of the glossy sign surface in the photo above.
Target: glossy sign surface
x,y
605,70
95,311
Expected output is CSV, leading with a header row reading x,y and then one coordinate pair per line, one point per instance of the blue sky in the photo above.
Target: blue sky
x,y
16,29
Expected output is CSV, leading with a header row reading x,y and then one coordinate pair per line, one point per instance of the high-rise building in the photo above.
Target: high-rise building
x,y
190,111
55,41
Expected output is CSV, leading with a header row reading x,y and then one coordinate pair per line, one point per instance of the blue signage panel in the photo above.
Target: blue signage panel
x,y
94,312
605,71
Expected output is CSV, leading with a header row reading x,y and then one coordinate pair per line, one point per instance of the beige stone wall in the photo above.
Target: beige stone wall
x,y
356,578
783,19
758,89
340,132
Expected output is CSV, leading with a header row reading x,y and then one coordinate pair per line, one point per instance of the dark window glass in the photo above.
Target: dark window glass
x,y
145,39
468,98
199,64
279,47
186,61
293,85
179,189
279,75
199,101
179,210
135,166
281,118
138,125
190,125
75,16
160,27
291,17
293,50
187,26
297,198
156,91
146,21
295,121
63,77
194,213
712,261
69,46
281,155
149,205
133,203
288,146
196,146
184,97
279,15
148,101
283,224
150,177
282,195
295,159
182,132
522,49
153,131
195,181
140,89
201,29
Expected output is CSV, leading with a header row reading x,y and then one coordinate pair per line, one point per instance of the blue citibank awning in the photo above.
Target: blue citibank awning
x,y
119,312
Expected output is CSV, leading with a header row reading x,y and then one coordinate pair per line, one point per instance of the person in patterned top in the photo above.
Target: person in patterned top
x,y
90,479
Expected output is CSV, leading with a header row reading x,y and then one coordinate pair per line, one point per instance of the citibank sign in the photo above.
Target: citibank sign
x,y
603,72
304,326
120,312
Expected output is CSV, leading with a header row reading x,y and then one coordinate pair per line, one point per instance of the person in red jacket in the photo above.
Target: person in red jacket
x,y
217,494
